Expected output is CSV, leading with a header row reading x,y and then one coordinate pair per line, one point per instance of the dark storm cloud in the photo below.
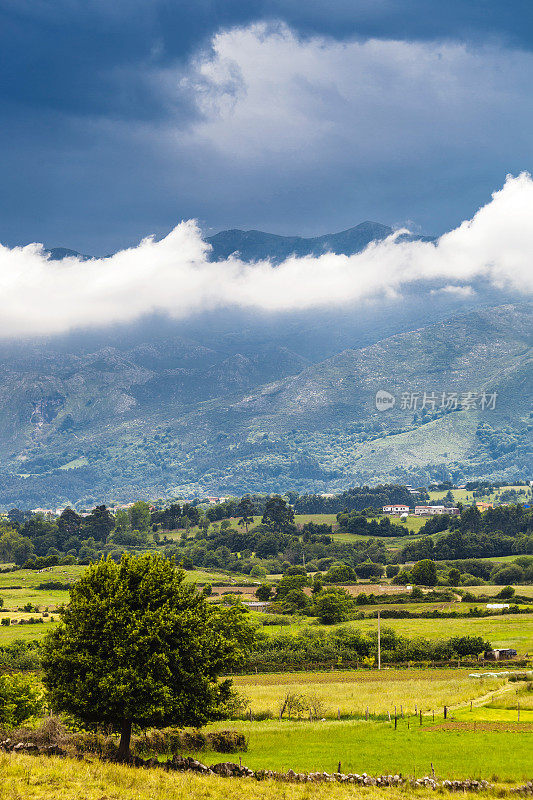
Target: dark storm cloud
x,y
113,125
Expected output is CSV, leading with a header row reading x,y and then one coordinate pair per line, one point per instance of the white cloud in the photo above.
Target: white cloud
x,y
172,276
263,92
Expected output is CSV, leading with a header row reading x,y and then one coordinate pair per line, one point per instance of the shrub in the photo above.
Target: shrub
x,y
264,592
510,574
340,573
506,593
425,572
332,608
257,572
20,699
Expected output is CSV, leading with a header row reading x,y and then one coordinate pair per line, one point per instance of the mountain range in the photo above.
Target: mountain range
x,y
258,245
228,402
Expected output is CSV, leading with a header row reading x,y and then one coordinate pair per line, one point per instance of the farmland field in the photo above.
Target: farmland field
x,y
520,589
352,692
376,748
40,778
502,630
25,632
19,588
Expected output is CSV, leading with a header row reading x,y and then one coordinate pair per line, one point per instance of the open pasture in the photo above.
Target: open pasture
x,y
30,578
505,630
412,523
467,495
25,632
524,590
42,777
376,748
501,630
351,692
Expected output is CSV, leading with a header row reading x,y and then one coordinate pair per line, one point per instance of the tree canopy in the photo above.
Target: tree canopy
x,y
139,646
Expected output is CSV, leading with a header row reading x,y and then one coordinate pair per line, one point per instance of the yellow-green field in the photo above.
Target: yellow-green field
x,y
29,578
25,632
27,777
455,749
352,692
466,496
502,630
520,589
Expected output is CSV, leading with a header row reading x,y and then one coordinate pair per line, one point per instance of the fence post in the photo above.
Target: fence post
x,y
421,716
445,712
395,720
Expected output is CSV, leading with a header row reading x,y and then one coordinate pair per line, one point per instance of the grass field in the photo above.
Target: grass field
x,y
352,692
465,496
20,587
522,590
505,630
25,632
30,578
376,747
40,778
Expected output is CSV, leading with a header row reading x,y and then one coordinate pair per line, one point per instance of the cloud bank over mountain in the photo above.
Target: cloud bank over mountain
x,y
174,276
369,110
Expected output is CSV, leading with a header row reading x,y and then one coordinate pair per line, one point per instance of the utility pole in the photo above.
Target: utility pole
x,y
379,639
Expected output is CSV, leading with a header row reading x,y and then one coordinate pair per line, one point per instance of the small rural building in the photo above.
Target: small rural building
x,y
256,605
396,509
500,655
429,511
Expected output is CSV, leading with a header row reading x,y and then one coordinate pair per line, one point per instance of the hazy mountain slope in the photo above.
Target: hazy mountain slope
x,y
174,415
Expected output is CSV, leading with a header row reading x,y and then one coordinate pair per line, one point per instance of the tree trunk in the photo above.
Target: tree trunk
x,y
125,739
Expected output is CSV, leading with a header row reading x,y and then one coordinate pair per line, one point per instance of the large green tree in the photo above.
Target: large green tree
x,y
278,515
424,572
139,646
245,512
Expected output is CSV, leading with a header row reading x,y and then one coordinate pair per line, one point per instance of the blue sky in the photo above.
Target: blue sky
x,y
119,119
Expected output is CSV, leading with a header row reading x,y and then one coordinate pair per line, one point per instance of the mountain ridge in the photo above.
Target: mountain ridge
x,y
256,245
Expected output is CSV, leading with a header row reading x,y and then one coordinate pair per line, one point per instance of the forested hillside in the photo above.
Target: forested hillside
x,y
175,416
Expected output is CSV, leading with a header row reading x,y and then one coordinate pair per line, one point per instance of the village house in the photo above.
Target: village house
x,y
429,511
